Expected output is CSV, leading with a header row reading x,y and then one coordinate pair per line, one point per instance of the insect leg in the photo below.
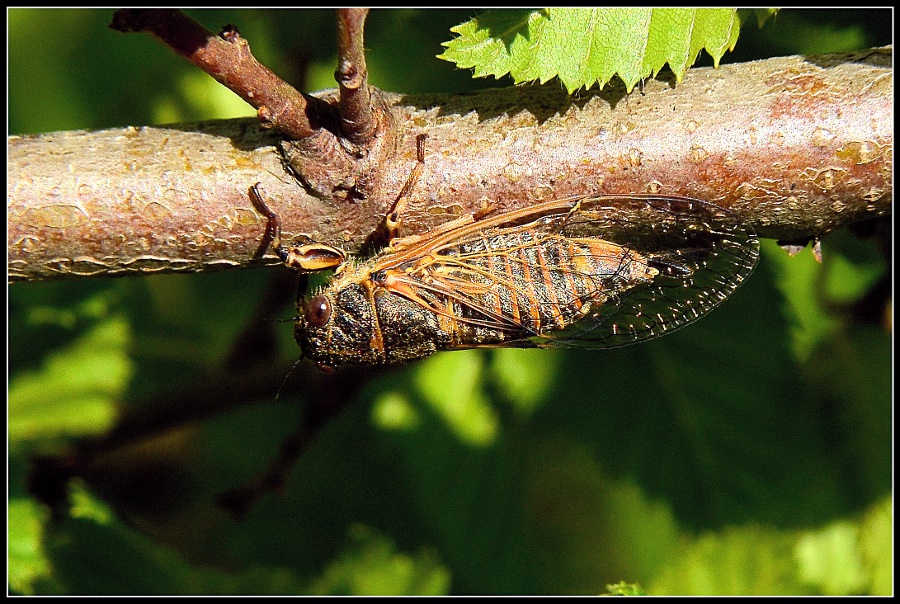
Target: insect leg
x,y
392,220
273,224
302,258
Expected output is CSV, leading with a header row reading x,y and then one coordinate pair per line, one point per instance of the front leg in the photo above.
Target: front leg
x,y
303,258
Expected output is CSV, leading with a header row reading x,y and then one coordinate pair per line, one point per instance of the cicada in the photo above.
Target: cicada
x,y
592,272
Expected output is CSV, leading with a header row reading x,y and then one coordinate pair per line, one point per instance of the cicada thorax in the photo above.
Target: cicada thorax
x,y
594,272
354,319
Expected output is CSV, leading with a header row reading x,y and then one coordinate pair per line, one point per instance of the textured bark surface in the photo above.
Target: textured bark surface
x,y
796,146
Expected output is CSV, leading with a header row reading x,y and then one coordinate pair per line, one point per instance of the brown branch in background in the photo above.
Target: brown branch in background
x,y
96,460
228,59
332,397
358,122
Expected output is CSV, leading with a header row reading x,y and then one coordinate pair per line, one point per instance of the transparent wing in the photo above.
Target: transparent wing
x,y
702,252
697,253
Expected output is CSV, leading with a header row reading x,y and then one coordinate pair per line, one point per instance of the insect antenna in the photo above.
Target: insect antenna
x,y
284,381
302,286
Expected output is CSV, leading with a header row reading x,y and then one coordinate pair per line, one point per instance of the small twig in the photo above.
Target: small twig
x,y
357,118
228,59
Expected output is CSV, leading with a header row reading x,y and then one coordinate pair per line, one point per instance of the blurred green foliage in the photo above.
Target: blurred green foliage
x,y
749,453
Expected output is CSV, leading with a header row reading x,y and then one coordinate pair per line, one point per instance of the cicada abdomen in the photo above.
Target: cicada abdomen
x,y
594,272
508,284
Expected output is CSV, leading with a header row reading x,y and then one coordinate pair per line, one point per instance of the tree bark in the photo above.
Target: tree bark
x,y
796,146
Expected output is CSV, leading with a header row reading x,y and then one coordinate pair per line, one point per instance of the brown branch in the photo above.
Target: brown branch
x,y
228,59
321,145
797,146
358,121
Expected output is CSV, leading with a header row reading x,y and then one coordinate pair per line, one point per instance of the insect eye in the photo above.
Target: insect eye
x,y
318,311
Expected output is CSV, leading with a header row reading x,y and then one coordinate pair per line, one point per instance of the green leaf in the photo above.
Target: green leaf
x,y
846,557
587,46
625,589
830,558
372,566
465,407
26,556
739,561
76,390
762,14
93,551
877,545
